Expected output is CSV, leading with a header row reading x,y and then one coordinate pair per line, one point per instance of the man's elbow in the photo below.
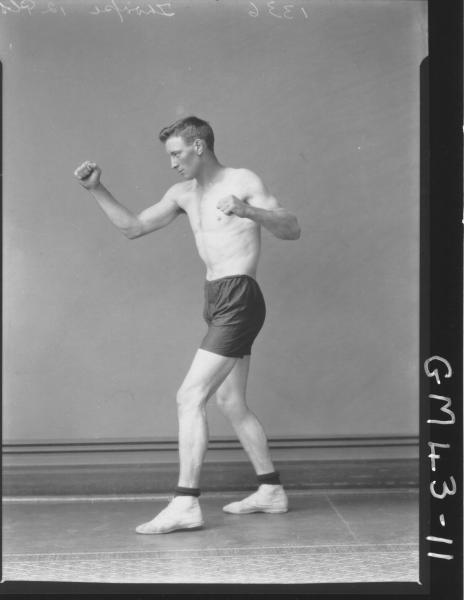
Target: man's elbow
x,y
135,228
294,230
296,233
132,233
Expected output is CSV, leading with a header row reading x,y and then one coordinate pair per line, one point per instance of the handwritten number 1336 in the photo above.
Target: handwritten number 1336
x,y
285,11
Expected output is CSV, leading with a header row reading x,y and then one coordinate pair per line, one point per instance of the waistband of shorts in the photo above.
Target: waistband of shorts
x,y
211,282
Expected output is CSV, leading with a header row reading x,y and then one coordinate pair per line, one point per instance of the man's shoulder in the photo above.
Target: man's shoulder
x,y
248,181
242,172
245,176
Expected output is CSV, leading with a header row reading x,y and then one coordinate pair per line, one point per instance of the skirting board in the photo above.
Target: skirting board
x,y
150,467
161,478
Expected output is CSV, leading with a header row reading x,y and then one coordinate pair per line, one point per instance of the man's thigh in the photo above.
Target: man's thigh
x,y
207,372
235,384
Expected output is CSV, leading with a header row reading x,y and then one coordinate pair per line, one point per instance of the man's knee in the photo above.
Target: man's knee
x,y
191,397
231,403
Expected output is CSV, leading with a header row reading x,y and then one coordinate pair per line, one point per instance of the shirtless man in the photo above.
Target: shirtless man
x,y
226,208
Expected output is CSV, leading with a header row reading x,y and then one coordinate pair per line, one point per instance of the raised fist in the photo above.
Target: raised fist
x,y
230,205
88,174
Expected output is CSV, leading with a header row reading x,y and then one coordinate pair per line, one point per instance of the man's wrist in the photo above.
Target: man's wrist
x,y
250,212
99,187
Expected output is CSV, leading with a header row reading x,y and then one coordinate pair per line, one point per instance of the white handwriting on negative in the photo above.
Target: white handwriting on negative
x,y
441,490
446,409
12,7
278,10
120,10
435,373
445,489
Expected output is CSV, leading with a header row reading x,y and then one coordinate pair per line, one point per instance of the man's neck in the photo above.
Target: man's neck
x,y
209,173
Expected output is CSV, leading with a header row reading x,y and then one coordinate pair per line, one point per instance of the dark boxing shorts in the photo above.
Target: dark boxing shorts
x,y
234,311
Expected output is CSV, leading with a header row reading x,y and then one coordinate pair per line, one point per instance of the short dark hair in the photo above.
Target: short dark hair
x,y
189,129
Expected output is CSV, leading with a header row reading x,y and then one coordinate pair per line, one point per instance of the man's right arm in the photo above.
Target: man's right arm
x,y
131,225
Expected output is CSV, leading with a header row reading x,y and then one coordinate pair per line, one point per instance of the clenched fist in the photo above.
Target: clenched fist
x,y
88,174
230,205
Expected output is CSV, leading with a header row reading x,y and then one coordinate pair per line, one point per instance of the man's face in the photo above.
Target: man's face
x,y
184,158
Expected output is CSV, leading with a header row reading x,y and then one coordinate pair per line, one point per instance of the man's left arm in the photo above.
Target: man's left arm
x,y
260,206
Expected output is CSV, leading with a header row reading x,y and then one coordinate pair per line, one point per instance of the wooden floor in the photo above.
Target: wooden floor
x,y
327,536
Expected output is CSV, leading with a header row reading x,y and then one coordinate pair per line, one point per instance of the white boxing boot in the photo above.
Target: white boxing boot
x,y
183,512
268,499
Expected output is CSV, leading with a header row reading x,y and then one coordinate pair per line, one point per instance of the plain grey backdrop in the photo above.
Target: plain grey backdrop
x,y
322,102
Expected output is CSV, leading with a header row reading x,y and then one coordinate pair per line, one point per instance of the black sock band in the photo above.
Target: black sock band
x,y
186,491
269,478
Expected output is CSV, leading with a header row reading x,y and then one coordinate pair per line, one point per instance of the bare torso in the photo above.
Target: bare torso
x,y
227,244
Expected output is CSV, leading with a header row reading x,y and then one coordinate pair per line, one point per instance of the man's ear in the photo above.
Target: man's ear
x,y
199,146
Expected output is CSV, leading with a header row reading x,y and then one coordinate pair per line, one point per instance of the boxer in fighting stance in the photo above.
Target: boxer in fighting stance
x,y
226,208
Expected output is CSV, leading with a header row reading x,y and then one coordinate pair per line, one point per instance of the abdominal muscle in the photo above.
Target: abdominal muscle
x,y
232,250
227,244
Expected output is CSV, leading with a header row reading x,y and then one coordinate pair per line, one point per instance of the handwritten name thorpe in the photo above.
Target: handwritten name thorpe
x,y
120,9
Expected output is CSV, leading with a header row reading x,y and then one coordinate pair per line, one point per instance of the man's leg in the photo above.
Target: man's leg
x,y
207,372
231,399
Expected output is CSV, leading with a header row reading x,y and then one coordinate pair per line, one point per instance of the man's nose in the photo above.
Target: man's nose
x,y
174,163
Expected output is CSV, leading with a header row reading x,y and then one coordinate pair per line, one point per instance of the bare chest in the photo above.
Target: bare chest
x,y
204,215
